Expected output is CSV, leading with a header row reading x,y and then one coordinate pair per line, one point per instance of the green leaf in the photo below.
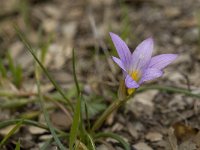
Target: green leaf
x,y
12,131
75,124
114,136
17,146
94,106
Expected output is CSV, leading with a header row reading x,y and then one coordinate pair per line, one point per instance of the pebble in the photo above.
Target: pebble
x,y
154,136
142,146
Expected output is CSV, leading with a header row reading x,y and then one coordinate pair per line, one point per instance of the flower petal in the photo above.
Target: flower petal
x,y
142,54
161,61
130,83
122,49
119,62
150,74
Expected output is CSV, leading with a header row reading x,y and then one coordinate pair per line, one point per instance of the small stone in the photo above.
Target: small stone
x,y
117,127
192,35
133,131
177,41
36,130
69,30
172,12
46,137
188,145
142,146
142,103
49,25
102,147
154,136
60,120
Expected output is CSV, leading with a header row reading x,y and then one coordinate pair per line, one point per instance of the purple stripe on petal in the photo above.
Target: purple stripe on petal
x,y
130,83
122,49
150,74
161,61
119,62
142,54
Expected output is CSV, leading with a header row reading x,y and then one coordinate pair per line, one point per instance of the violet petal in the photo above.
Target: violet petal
x,y
119,63
150,74
161,61
122,49
142,54
130,83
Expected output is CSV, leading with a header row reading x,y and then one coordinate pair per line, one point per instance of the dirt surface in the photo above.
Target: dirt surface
x,y
148,120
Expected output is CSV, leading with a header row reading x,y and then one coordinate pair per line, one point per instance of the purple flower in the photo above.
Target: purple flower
x,y
139,66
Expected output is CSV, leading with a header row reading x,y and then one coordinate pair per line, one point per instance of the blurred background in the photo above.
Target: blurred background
x,y
55,27
59,26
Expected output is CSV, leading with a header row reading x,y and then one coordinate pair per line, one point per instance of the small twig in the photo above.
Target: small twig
x,y
16,94
68,115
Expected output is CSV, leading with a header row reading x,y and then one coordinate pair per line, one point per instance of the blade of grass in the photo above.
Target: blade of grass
x,y
83,132
6,123
168,89
114,136
44,47
74,72
29,48
12,131
75,124
10,63
18,75
80,146
46,116
24,10
91,144
17,145
15,103
15,70
86,114
77,115
3,70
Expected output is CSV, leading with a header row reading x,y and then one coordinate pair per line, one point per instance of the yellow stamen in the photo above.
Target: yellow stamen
x,y
136,76
130,91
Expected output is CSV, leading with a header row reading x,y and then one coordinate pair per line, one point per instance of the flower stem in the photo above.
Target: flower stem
x,y
117,103
114,106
